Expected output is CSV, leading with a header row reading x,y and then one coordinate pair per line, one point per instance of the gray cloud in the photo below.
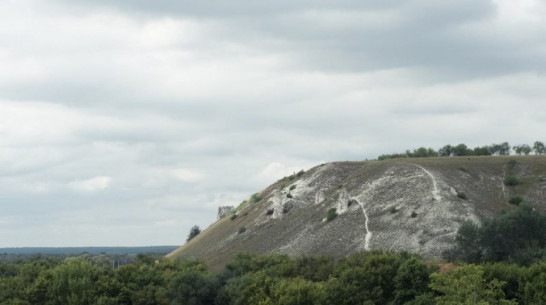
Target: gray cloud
x,y
130,121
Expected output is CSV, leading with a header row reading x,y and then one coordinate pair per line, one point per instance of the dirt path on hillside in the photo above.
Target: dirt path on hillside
x,y
435,191
368,232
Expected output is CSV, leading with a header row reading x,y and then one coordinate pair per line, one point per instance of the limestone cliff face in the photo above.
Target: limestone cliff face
x,y
404,204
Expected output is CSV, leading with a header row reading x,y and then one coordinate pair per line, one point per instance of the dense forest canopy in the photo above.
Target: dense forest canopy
x,y
501,262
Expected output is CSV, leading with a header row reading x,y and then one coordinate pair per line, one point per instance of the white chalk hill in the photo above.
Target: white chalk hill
x,y
401,204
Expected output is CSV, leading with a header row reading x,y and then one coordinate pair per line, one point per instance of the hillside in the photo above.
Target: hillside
x,y
412,204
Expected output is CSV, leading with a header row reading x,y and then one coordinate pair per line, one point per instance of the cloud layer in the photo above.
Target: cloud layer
x,y
127,123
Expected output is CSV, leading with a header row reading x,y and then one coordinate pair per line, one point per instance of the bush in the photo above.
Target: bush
x,y
462,195
233,216
300,173
292,187
194,231
511,180
515,200
512,163
413,214
255,198
269,212
332,214
393,210
288,195
241,230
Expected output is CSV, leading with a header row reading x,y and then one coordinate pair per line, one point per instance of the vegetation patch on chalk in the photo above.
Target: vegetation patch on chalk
x,y
332,214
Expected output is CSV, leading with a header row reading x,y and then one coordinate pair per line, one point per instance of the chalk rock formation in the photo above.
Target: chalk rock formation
x,y
342,202
223,211
277,205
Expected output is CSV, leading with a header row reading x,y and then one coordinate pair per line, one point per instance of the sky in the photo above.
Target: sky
x,y
125,123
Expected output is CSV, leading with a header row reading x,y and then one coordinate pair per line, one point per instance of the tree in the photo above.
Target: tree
x,y
72,283
467,246
526,149
364,278
517,236
411,280
539,148
522,149
194,231
535,284
193,288
445,151
423,152
504,149
466,285
298,291
461,150
482,151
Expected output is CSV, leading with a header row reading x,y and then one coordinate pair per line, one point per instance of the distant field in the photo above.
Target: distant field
x,y
69,251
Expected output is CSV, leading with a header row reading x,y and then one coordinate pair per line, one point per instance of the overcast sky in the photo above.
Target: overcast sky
x,y
126,122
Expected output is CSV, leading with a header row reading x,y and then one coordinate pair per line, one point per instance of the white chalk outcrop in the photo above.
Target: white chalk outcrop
x,y
223,211
342,202
277,204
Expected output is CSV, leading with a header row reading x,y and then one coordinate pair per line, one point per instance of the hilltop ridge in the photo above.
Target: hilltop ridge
x,y
412,204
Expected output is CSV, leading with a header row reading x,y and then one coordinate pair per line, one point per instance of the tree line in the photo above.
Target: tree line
x,y
502,261
463,150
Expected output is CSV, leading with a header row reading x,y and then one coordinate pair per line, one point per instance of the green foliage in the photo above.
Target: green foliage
x,y
445,151
233,216
378,278
413,214
255,198
462,195
506,236
332,214
300,173
193,288
515,200
511,180
288,195
539,148
534,284
71,283
466,285
194,231
518,236
241,230
512,163
463,150
363,278
522,149
292,187
467,244
411,280
393,210
298,291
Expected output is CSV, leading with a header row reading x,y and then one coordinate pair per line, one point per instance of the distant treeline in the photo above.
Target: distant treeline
x,y
89,250
462,150
121,255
